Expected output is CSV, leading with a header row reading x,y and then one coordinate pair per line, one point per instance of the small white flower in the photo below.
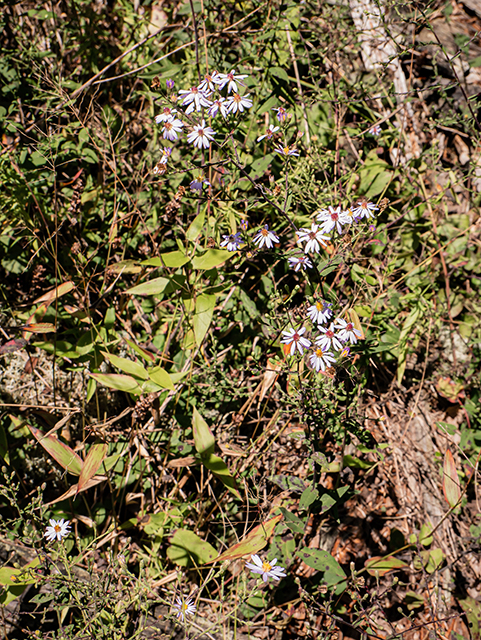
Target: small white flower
x,y
232,242
364,209
209,82
266,569
375,130
299,262
167,114
331,218
195,98
321,359
172,128
320,312
329,338
238,103
166,151
198,182
281,113
201,136
265,237
271,130
58,529
231,80
293,338
313,238
184,607
221,105
286,151
347,331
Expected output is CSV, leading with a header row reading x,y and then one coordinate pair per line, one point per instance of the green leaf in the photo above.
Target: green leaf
x,y
204,310
254,541
174,259
61,452
221,471
150,288
321,560
118,381
16,581
356,463
211,258
203,437
278,72
92,462
377,566
4,445
413,601
196,227
161,377
125,266
127,366
295,524
309,495
187,548
429,559
451,488
425,535
155,524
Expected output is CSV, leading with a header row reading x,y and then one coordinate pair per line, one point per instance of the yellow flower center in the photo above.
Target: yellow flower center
x,y
185,606
57,528
319,352
319,306
266,567
286,151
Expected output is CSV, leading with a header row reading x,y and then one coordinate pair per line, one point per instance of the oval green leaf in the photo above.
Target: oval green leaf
x,y
118,381
211,258
150,288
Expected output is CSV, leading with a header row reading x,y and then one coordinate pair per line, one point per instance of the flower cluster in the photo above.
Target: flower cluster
x,y
332,336
206,99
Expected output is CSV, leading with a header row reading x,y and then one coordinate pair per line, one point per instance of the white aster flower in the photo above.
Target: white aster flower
x,y
281,113
232,242
198,182
172,128
329,338
166,151
375,130
313,238
266,569
321,359
299,262
271,130
331,218
320,312
364,209
195,98
231,80
58,529
221,104
238,103
184,607
293,338
347,331
209,82
265,237
286,151
201,136
167,114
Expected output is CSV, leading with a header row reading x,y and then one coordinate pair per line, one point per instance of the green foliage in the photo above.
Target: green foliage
x,y
148,397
